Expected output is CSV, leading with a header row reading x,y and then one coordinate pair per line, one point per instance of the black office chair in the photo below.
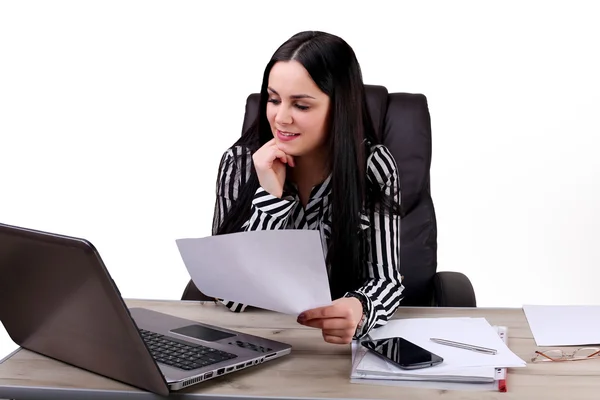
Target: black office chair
x,y
402,121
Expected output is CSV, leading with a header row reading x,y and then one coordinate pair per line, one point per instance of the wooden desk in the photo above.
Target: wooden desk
x,y
315,369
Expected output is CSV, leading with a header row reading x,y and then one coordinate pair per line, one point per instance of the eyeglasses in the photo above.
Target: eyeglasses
x,y
584,353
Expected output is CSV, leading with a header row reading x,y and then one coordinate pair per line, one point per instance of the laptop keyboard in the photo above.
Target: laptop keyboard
x,y
180,354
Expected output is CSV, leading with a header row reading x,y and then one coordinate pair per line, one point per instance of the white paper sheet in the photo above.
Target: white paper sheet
x,y
457,362
433,385
564,325
278,270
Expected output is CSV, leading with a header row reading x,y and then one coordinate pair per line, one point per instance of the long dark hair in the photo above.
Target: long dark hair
x,y
333,66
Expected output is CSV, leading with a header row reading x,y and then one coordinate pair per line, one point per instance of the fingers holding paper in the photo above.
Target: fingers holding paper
x,y
337,322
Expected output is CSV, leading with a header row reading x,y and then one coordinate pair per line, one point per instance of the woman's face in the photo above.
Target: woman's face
x,y
297,109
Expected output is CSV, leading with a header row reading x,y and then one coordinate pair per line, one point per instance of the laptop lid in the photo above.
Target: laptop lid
x,y
57,299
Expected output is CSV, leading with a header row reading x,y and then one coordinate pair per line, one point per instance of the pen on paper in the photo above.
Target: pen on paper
x,y
465,346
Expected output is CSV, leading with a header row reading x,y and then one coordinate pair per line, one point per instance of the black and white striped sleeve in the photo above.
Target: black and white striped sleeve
x,y
383,291
268,212
234,170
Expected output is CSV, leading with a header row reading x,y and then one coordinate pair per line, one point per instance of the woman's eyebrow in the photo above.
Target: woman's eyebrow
x,y
295,96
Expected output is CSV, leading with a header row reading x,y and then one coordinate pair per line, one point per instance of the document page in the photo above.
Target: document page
x,y
278,270
564,325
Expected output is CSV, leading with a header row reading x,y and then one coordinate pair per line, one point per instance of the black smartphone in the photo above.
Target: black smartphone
x,y
403,353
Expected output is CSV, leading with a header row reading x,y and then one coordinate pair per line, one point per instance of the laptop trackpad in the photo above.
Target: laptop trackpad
x,y
202,333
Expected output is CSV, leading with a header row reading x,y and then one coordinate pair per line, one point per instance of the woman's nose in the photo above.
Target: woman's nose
x,y
283,116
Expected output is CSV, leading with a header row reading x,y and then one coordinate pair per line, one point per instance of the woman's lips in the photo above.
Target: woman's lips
x,y
286,136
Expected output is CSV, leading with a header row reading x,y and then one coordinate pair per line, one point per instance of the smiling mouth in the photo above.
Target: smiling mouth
x,y
288,134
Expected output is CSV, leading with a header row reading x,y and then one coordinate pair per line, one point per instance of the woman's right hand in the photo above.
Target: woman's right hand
x,y
270,164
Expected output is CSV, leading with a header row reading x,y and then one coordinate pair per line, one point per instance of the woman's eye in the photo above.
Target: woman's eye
x,y
298,106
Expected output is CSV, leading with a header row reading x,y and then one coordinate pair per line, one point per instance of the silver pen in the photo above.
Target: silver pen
x,y
465,346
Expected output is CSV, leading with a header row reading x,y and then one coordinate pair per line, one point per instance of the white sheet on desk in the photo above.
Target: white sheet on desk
x,y
372,367
281,270
475,331
564,325
476,375
483,387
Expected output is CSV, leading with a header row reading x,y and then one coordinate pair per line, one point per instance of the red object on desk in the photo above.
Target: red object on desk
x,y
502,385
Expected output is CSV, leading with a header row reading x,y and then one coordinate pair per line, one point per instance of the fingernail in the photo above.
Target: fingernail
x,y
301,317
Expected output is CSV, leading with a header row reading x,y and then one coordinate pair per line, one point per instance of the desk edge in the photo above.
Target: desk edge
x,y
49,393
12,353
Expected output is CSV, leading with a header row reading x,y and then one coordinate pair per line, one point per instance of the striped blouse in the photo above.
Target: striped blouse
x,y
383,290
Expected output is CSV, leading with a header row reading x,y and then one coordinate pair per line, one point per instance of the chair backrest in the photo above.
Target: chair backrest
x,y
402,121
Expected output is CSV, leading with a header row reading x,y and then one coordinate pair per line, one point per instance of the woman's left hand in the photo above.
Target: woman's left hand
x,y
338,321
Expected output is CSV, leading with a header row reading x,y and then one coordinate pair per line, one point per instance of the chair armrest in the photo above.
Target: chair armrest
x,y
453,289
191,292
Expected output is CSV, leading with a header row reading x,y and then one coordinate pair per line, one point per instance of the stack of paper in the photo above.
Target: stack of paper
x,y
461,369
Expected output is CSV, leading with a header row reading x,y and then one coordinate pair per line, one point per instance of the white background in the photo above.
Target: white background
x,y
114,115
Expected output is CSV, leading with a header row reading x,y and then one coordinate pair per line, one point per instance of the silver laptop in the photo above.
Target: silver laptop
x,y
58,299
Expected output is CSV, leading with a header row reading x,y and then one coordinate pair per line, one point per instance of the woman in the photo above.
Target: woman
x,y
311,161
